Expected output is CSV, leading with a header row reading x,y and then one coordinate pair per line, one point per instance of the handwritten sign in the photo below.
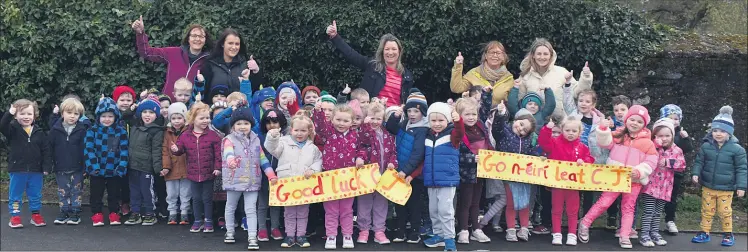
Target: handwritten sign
x,y
394,188
553,173
325,186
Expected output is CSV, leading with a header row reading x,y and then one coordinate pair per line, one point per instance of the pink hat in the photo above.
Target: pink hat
x,y
356,106
640,111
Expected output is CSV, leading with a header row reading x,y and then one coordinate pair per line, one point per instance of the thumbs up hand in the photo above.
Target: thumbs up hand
x,y
459,59
586,70
138,26
174,148
12,110
245,75
56,110
501,107
252,64
346,90
332,30
199,97
102,98
455,116
200,77
568,76
517,82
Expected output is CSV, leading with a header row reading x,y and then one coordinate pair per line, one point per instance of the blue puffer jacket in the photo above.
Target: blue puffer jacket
x,y
410,143
441,166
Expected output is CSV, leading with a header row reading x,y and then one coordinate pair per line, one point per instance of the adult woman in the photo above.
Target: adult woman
x,y
384,75
539,72
491,72
226,64
181,61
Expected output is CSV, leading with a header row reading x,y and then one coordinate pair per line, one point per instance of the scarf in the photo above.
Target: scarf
x,y
491,75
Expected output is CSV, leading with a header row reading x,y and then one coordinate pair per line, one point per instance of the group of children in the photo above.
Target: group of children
x,y
160,156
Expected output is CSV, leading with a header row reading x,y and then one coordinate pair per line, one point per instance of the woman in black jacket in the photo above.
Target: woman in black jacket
x,y
384,75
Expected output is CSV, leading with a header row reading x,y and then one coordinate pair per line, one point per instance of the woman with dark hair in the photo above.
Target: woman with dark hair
x,y
181,61
384,75
226,64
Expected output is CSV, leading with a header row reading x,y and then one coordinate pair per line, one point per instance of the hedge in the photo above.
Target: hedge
x,y
50,48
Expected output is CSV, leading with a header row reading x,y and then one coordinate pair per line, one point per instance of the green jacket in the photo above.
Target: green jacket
x,y
145,148
722,169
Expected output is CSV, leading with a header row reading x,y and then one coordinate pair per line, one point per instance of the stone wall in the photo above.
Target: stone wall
x,y
704,16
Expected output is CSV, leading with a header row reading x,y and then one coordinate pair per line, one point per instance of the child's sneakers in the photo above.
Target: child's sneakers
x,y
523,234
434,241
363,237
262,235
229,238
399,236
583,233
557,239
671,227
540,229
571,239
348,242
288,242
253,244
276,234
701,237
728,240
497,229
625,243
511,235
172,219
381,238
657,239
197,226
98,219
37,220
134,219
185,219
479,236
463,237
124,209
331,243
114,219
612,223
632,235
449,245
15,222
62,218
74,218
302,242
149,220
208,228
414,238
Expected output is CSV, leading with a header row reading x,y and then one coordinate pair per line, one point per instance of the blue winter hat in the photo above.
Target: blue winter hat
x,y
670,109
219,89
242,113
150,103
531,97
724,121
416,99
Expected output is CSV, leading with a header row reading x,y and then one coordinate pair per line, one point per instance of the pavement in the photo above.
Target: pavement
x,y
167,237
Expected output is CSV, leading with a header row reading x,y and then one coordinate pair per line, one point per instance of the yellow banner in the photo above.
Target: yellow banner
x,y
394,188
553,173
325,186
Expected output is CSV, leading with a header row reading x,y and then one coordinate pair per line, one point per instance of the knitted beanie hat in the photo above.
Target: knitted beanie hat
x,y
119,90
416,99
242,113
640,111
724,121
665,122
531,97
149,103
325,97
441,108
178,108
670,109
219,89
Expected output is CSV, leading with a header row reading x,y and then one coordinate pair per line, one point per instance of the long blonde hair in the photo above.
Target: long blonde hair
x,y
378,60
529,63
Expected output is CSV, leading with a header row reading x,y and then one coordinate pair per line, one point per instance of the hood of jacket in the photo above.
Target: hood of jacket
x,y
291,85
107,105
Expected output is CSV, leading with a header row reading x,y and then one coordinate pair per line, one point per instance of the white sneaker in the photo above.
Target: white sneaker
x,y
463,237
571,239
557,239
479,236
347,242
497,229
524,234
331,243
511,234
671,227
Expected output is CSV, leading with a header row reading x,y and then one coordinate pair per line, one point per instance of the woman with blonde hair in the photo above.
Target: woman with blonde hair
x,y
491,72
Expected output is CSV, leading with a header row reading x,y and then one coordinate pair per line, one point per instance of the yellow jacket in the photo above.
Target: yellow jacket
x,y
461,83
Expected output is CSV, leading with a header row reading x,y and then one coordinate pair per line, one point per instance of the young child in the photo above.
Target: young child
x,y
632,147
297,156
621,104
218,93
203,164
410,143
494,190
175,168
441,177
107,156
683,141
515,137
310,95
66,145
165,102
262,100
272,119
288,92
343,148
146,142
373,207
533,103
720,169
29,158
183,92
222,110
243,161
471,187
566,147
359,114
124,96
56,112
660,186
361,96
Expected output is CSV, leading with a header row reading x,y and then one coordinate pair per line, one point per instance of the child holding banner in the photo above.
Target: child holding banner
x,y
372,207
515,137
441,172
343,148
632,147
566,147
660,187
297,156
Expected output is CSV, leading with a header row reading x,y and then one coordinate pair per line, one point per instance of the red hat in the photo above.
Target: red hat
x,y
122,89
640,111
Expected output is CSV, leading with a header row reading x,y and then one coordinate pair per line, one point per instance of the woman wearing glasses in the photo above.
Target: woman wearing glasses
x,y
491,72
181,61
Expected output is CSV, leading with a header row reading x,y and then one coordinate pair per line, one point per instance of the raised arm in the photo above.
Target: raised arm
x,y
512,103
550,102
545,139
323,127
485,105
351,55
273,146
458,83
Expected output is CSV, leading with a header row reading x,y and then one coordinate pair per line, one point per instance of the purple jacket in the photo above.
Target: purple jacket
x,y
203,153
176,58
